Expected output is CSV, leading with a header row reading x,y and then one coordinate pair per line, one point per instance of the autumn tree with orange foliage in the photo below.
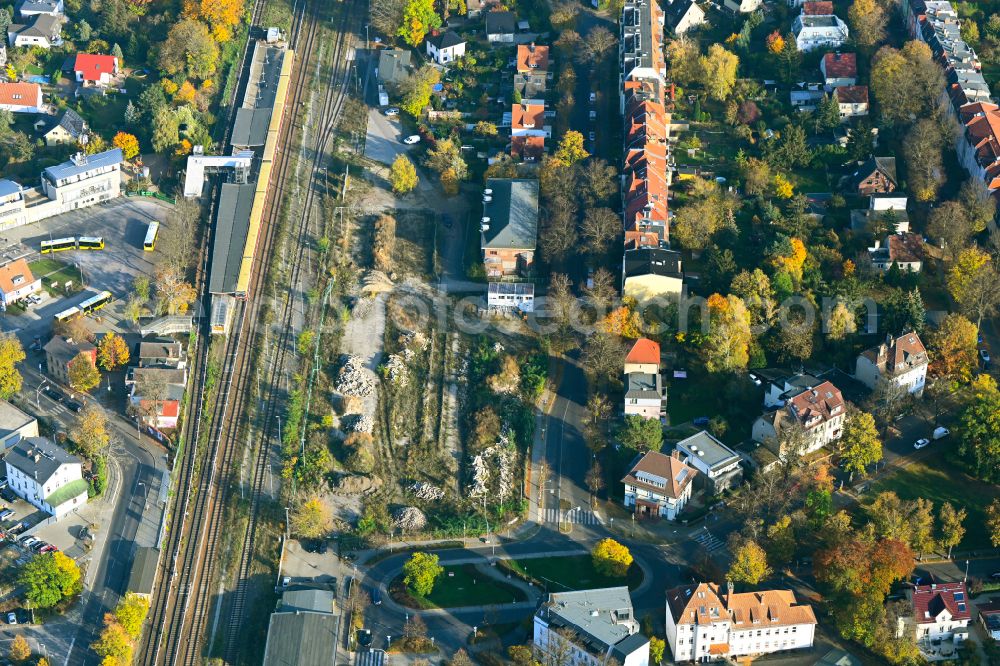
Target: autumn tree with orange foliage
x,y
128,143
222,15
624,322
727,348
775,43
790,257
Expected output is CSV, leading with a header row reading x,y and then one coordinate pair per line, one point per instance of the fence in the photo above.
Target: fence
x,y
154,195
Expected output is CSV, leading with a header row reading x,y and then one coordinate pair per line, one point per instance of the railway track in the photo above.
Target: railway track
x,y
184,593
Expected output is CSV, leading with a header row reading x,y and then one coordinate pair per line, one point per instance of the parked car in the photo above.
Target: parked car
x,y
48,549
286,581
412,139
376,597
364,637
12,618
321,548
38,545
391,111
53,394
995,575
940,432
27,542
75,406
593,97
701,421
592,136
6,513
984,356
921,443
3,482
8,495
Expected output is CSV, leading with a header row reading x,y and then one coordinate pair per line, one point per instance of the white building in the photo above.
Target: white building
x,y
46,476
511,296
21,97
27,8
589,627
42,30
820,410
902,360
84,180
15,425
16,283
813,32
704,624
684,15
658,485
743,6
719,463
904,250
940,612
445,47
643,395
852,101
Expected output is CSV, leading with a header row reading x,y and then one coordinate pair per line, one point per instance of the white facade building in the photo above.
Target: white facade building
x,y
940,612
719,463
600,625
16,283
15,425
84,180
46,476
819,408
658,485
902,360
446,47
704,624
814,32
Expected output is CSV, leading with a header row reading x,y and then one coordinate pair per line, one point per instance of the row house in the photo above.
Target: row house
x,y
820,410
509,226
704,623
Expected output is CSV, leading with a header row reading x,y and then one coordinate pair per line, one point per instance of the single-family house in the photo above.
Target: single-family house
x,y
527,148
162,354
532,71
819,410
684,15
718,464
940,612
41,30
644,357
15,425
46,476
60,351
852,101
510,297
500,27
589,628
902,360
644,395
839,69
652,274
813,32
93,69
445,47
16,283
905,250
876,175
509,228
21,97
393,67
528,119
658,485
26,8
70,128
806,96
706,624
989,617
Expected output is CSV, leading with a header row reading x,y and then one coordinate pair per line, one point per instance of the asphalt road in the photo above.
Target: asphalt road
x,y
566,452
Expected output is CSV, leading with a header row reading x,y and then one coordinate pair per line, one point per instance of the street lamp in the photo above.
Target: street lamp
x,y
42,384
966,571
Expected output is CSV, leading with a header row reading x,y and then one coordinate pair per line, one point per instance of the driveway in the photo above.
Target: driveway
x,y
382,142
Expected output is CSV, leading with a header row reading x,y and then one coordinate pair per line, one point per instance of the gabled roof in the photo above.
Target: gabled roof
x,y
662,474
446,39
906,248
9,273
532,58
816,405
38,458
851,94
527,116
500,23
73,123
817,8
20,94
644,351
840,65
884,165
530,148
705,603
513,213
678,9
899,355
64,351
929,601
91,66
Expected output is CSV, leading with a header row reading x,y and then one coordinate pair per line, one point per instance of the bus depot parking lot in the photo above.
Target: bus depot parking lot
x,y
122,224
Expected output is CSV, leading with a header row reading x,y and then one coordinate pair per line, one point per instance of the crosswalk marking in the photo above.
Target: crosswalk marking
x,y
582,517
370,658
709,541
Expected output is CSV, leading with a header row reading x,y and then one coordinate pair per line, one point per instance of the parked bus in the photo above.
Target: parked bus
x,y
58,245
150,241
95,303
66,315
90,243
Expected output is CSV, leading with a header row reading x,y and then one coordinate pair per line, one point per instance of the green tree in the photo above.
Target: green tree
x,y
657,646
922,156
189,50
719,69
83,374
571,150
859,442
11,353
131,612
951,526
781,541
749,564
419,18
83,30
611,558
993,522
827,114
728,346
420,572
49,578
974,283
980,431
641,434
403,175
5,19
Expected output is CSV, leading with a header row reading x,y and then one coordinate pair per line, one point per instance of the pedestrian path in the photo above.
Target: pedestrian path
x,y
709,541
581,517
366,657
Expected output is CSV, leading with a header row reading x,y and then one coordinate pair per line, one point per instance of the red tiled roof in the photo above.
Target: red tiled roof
x,y
817,8
705,603
635,239
824,401
523,115
532,54
13,270
840,65
676,475
906,248
644,351
851,94
929,601
900,355
982,131
528,147
92,66
20,94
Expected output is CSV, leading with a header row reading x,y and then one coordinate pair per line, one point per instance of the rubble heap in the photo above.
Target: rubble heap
x,y
409,519
426,491
493,470
354,379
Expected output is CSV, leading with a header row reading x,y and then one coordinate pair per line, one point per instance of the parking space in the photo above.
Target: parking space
x,y
384,140
300,565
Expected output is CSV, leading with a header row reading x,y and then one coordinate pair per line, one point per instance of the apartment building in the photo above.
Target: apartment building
x,y
658,485
46,476
901,360
820,410
589,627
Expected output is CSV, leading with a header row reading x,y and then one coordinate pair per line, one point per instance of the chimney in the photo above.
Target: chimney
x,y
531,47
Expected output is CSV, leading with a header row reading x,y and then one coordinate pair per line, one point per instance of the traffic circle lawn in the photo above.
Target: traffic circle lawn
x,y
565,573
458,586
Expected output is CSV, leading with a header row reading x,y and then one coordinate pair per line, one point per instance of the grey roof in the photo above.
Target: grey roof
x,y
637,35
887,165
513,213
50,457
168,375
393,66
143,573
500,23
250,127
36,6
301,639
8,187
626,647
38,25
810,21
72,123
84,163
446,39
64,351
156,349
603,617
11,419
511,288
642,385
232,223
675,11
653,261
708,449
303,598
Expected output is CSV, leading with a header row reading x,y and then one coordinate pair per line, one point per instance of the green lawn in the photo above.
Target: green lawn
x,y
459,586
44,266
938,479
570,573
